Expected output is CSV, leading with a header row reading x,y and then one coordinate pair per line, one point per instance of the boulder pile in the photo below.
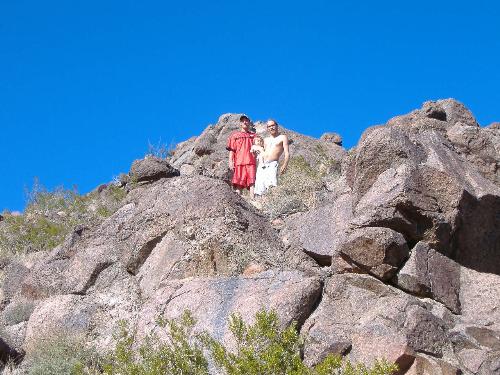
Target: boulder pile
x,y
399,257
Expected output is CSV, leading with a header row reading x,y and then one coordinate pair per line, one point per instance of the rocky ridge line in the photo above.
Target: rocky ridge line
x,y
396,257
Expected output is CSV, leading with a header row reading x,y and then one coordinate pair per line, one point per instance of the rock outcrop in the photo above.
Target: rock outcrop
x,y
399,256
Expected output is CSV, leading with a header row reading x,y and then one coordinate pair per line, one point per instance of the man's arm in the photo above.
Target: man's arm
x,y
230,148
284,166
231,160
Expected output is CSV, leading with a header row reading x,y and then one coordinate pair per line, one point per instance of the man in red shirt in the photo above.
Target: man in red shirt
x,y
241,160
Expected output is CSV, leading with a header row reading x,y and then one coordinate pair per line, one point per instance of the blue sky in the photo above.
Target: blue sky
x,y
84,85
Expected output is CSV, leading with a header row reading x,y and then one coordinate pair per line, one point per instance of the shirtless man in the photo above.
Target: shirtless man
x,y
274,146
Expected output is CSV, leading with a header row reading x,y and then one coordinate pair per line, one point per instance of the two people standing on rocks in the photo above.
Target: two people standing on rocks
x,y
254,161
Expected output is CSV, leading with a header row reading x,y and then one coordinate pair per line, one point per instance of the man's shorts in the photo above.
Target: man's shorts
x,y
244,175
267,176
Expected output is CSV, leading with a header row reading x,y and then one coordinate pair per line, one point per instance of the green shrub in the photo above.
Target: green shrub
x,y
38,233
262,348
18,312
296,190
179,355
266,349
62,355
51,215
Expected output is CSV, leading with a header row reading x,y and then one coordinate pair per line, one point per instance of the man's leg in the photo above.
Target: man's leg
x,y
252,193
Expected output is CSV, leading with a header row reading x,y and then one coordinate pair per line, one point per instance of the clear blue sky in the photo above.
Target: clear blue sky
x,y
85,84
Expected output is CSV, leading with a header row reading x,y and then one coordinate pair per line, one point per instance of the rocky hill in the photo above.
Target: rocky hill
x,y
390,249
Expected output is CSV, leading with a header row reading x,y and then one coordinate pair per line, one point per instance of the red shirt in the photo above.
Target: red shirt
x,y
240,143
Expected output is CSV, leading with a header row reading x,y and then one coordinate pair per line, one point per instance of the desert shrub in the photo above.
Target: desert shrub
x,y
261,348
50,215
179,355
62,355
296,190
327,166
18,312
160,149
22,234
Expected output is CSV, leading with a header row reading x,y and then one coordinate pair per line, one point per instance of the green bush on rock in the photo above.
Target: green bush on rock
x,y
262,348
51,215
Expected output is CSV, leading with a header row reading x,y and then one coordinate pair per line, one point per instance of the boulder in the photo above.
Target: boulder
x,y
315,231
332,137
14,274
95,317
480,297
379,251
192,226
150,169
429,273
479,146
426,195
436,115
428,365
291,294
375,320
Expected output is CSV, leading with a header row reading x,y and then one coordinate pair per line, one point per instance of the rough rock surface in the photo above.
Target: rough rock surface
x,y
380,251
150,169
429,273
398,258
292,294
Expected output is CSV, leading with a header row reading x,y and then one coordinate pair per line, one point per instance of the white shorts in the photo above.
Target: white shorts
x,y
267,176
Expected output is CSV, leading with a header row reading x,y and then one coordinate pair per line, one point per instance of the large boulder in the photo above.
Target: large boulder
x,y
193,226
291,294
479,146
367,319
151,168
417,185
379,251
429,273
94,317
316,231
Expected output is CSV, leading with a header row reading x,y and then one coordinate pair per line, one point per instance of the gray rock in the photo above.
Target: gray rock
x,y
428,199
379,251
195,225
372,317
316,230
14,274
150,169
205,142
441,113
332,137
114,297
428,365
425,332
212,300
480,297
429,273
479,146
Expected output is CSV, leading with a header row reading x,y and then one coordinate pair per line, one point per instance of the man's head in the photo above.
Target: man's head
x,y
245,123
272,127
